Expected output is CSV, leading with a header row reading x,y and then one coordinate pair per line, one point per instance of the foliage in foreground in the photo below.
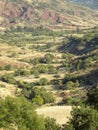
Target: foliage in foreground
x,y
85,117
18,113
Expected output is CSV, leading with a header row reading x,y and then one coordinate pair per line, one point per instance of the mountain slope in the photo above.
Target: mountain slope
x,y
55,14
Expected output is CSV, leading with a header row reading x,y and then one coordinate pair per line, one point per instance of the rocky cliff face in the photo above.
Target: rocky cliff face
x,y
48,13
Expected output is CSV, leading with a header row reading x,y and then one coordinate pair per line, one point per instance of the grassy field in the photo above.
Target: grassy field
x,y
7,90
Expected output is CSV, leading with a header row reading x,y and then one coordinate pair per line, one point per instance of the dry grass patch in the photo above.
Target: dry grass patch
x,y
14,63
60,113
7,90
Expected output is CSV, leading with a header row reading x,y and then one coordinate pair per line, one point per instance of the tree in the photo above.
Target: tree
x,y
9,78
69,85
36,73
47,96
43,81
84,118
35,61
92,98
51,69
51,125
19,112
38,100
8,67
43,93
48,58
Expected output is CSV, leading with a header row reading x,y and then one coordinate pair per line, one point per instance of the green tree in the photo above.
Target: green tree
x,y
8,67
92,98
43,93
51,125
9,78
48,58
84,118
19,112
43,81
69,85
38,100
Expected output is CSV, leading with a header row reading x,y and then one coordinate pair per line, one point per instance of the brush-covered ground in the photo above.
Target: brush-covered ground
x,y
49,68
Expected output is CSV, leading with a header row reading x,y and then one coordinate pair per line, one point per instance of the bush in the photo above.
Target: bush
x,y
47,58
21,72
71,101
9,78
43,81
51,125
38,100
84,118
71,85
8,67
46,96
92,98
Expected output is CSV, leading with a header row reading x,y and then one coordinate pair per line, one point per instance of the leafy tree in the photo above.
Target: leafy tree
x,y
24,72
51,69
20,83
51,125
26,92
84,118
87,63
71,84
71,101
38,100
92,96
43,81
7,67
9,78
48,58
46,96
19,72
19,112
35,61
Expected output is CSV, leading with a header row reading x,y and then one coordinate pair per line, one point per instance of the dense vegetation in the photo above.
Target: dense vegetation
x,y
18,113
86,116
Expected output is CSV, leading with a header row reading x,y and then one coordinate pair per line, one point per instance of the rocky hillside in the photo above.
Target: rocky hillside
x,y
53,14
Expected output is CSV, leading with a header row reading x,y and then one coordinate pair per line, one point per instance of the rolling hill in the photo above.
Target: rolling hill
x,y
48,64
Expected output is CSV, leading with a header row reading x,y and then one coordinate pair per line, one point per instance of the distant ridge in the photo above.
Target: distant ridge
x,y
91,3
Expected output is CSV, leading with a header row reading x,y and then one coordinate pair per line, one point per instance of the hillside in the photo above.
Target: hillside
x,y
52,14
48,65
